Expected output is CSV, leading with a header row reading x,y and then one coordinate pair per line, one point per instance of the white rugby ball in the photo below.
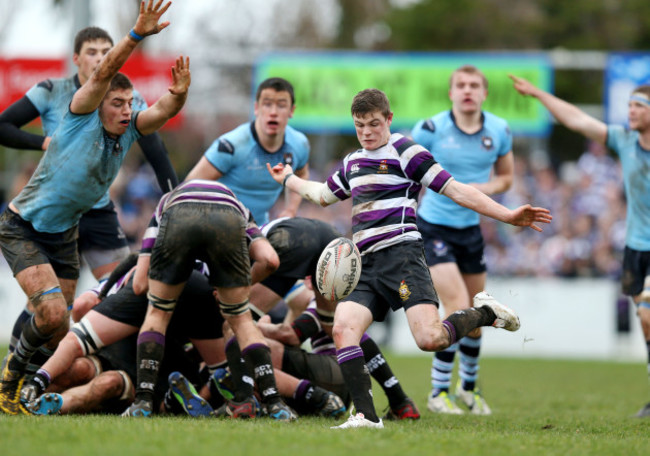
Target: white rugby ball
x,y
339,269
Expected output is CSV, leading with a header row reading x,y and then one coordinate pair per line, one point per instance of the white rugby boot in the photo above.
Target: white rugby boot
x,y
506,317
359,421
443,403
473,400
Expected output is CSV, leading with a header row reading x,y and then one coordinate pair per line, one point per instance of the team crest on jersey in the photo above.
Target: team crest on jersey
x,y
383,167
440,248
354,168
404,292
288,158
487,142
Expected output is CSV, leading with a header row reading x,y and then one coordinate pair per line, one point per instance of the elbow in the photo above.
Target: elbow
x,y
268,264
272,264
140,288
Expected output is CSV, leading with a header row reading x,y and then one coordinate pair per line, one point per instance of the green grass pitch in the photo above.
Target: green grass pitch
x,y
541,407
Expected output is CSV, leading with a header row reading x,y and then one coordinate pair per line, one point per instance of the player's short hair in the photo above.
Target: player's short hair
x,y
644,89
277,84
120,81
469,69
368,101
90,34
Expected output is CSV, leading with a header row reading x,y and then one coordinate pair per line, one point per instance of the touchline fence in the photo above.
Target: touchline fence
x,y
560,318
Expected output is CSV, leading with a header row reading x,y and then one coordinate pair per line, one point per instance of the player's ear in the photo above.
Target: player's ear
x,y
293,108
75,59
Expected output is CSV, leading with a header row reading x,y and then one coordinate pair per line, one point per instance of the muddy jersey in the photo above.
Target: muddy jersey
x,y
75,172
52,98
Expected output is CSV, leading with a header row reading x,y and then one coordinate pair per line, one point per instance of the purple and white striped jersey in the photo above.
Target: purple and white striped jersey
x,y
197,191
117,286
384,185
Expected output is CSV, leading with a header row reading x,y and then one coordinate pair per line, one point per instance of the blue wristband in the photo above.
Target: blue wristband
x,y
135,36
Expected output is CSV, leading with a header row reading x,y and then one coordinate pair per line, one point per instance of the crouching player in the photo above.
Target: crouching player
x,y
202,220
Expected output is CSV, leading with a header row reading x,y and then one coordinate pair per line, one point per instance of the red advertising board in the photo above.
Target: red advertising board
x,y
151,76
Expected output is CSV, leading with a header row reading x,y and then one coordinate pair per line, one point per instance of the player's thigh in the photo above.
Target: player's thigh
x,y
474,283
107,329
263,297
450,286
25,248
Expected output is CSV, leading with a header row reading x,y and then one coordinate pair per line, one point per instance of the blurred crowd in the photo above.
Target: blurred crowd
x,y
587,235
586,198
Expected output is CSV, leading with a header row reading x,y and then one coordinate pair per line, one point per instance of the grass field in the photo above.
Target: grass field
x,y
541,407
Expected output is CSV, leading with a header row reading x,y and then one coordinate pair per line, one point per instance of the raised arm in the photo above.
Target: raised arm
x,y
167,106
90,95
567,114
470,197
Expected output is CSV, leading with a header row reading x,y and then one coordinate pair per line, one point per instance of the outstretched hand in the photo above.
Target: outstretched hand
x,y
527,216
147,22
279,172
522,85
181,76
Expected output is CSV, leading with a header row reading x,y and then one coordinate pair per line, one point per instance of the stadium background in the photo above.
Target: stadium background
x,y
594,50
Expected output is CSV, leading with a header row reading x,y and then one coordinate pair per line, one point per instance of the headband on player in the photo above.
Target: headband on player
x,y
640,98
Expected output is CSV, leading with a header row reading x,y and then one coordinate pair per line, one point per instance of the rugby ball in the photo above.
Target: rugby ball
x,y
338,269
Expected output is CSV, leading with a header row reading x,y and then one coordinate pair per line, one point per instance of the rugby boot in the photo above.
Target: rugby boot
x,y
443,403
46,404
139,408
473,400
185,393
506,317
10,385
359,421
407,410
246,409
280,411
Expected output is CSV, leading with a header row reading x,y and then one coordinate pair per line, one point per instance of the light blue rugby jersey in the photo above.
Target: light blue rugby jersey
x,y
635,162
52,97
469,158
241,159
77,169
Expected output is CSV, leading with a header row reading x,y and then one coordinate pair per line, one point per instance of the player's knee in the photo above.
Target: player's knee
x,y
166,305
342,334
51,308
109,384
83,370
83,304
431,341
